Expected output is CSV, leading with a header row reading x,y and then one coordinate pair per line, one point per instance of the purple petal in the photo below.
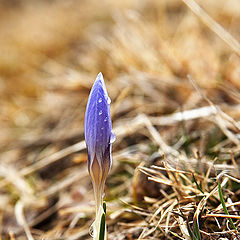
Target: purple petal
x,y
98,127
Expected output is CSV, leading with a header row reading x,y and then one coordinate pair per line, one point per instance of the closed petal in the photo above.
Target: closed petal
x,y
98,127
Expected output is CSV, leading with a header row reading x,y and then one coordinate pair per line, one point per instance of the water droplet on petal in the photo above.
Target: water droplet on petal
x,y
91,230
112,138
108,100
100,100
105,119
100,112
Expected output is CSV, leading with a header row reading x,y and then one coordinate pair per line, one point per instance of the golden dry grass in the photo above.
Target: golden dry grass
x,y
172,70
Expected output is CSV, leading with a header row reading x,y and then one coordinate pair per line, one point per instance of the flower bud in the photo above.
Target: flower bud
x,y
99,138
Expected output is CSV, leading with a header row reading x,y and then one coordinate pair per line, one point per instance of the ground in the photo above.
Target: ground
x,y
172,70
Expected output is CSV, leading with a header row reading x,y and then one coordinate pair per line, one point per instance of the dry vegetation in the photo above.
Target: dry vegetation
x,y
174,78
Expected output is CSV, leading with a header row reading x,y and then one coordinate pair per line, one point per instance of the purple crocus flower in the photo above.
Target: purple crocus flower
x,y
99,138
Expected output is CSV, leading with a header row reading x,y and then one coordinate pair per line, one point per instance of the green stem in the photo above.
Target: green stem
x,y
220,192
102,227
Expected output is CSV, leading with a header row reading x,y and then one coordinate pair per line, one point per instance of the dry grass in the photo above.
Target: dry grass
x,y
172,70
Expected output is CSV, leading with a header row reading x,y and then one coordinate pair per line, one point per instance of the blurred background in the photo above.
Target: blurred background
x,y
50,54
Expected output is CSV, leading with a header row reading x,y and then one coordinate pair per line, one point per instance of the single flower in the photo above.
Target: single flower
x,y
99,138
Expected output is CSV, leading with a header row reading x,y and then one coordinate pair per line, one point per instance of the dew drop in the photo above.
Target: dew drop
x,y
105,119
91,230
108,100
101,128
112,138
100,100
100,112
